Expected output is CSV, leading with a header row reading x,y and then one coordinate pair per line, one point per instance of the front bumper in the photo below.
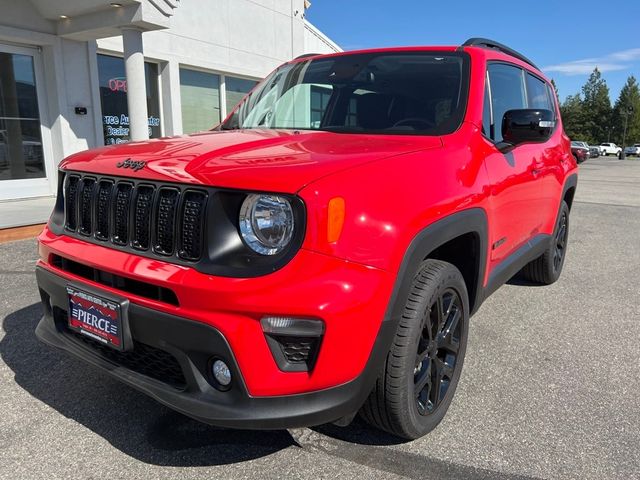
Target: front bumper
x,y
192,344
351,299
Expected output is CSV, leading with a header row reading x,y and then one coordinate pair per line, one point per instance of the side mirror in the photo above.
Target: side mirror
x,y
527,126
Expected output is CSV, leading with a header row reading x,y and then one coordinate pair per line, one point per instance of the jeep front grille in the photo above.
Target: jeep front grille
x,y
165,221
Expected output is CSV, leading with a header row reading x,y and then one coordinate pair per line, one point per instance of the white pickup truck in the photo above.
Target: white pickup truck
x,y
610,149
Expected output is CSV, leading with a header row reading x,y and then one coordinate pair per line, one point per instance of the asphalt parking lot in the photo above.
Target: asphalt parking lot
x,y
550,387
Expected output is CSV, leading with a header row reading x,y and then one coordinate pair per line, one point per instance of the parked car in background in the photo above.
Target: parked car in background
x,y
610,149
580,151
633,151
592,151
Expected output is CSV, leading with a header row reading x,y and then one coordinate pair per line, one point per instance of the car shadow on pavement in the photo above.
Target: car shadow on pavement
x,y
519,280
149,432
128,420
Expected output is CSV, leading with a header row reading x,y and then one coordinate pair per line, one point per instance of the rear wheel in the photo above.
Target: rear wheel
x,y
547,267
422,369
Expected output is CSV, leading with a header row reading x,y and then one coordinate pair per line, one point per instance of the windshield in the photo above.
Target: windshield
x,y
390,93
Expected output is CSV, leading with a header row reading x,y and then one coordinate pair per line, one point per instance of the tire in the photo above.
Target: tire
x,y
546,269
437,304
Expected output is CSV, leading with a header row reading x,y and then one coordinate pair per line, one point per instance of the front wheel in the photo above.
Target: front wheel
x,y
422,369
546,269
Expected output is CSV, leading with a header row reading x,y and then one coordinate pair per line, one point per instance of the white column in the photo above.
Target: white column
x,y
171,104
136,86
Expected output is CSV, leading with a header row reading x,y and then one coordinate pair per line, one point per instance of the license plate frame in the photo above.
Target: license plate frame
x,y
97,317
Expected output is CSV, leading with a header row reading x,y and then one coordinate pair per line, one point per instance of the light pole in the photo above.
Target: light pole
x,y
626,114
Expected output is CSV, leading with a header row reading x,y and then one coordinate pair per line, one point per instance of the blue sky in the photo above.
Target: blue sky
x,y
566,38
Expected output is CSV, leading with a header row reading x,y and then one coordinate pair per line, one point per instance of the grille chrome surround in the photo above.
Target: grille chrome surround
x,y
137,215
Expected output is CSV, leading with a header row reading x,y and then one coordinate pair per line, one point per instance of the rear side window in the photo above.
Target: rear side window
x,y
537,93
507,93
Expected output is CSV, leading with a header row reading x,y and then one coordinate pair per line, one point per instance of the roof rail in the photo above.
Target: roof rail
x,y
305,55
486,43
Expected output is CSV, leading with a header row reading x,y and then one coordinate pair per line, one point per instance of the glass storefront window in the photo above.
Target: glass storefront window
x,y
200,98
113,97
236,89
21,154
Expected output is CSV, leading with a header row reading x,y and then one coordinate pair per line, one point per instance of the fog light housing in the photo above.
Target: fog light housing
x,y
294,342
221,373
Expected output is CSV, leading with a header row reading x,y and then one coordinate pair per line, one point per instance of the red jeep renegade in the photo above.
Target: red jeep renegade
x,y
320,252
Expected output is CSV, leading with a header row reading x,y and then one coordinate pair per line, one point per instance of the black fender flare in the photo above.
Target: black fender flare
x,y
570,182
427,240
473,220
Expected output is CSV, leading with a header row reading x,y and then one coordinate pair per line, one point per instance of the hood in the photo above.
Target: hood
x,y
272,160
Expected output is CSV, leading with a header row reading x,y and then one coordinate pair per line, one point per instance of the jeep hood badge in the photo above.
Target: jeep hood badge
x,y
134,165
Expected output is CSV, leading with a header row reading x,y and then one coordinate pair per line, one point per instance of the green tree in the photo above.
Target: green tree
x,y
596,108
573,117
628,103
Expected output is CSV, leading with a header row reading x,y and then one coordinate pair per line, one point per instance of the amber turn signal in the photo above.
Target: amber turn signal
x,y
335,220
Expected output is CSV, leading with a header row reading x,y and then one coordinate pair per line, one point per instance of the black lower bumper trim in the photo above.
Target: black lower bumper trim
x,y
193,344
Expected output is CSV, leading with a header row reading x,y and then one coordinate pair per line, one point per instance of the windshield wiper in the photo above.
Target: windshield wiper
x,y
341,129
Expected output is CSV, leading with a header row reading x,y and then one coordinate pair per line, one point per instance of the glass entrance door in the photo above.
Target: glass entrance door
x,y
24,167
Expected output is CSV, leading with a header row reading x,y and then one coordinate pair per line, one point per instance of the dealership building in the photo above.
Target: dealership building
x,y
77,74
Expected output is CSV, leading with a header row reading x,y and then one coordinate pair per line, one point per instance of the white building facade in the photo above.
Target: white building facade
x,y
77,74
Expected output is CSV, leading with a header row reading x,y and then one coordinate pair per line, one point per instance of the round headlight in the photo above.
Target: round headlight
x,y
266,223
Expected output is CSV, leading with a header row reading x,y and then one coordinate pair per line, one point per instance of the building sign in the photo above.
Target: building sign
x,y
113,98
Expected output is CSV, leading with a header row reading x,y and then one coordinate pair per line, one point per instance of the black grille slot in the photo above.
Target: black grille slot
x,y
71,202
129,285
144,359
297,349
142,217
121,213
191,230
294,353
86,204
103,210
165,221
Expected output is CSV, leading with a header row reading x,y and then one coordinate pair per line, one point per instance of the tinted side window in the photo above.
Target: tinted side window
x,y
507,93
537,93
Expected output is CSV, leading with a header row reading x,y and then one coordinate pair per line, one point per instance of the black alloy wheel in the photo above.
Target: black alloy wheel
x,y
546,269
436,358
421,372
562,232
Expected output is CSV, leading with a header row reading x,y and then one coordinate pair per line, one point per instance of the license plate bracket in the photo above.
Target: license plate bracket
x,y
99,318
